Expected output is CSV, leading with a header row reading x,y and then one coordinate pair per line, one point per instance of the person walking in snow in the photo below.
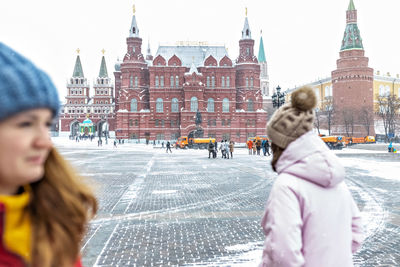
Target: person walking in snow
x,y
231,148
211,151
222,149
44,206
168,147
310,218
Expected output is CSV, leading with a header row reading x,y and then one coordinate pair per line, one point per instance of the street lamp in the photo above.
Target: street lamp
x,y
278,98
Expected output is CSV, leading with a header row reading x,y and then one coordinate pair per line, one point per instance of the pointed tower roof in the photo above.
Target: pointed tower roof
x,y
351,6
246,33
78,72
103,68
148,48
261,53
134,30
351,38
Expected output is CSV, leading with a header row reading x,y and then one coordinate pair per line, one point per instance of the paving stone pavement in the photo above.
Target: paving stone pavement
x,y
183,209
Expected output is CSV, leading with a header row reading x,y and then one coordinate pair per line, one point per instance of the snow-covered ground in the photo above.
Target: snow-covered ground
x,y
143,190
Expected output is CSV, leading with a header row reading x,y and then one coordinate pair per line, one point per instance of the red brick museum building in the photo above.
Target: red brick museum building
x,y
158,98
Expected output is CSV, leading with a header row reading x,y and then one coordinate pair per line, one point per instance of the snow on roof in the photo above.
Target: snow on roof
x,y
189,54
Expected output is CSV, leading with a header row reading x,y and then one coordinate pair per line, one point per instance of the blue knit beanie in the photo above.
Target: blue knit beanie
x,y
23,86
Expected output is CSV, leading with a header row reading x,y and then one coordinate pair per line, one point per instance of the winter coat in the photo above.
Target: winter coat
x,y
231,147
210,146
15,231
250,144
311,218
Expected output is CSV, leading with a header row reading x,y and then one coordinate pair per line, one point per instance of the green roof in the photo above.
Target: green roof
x,y
351,38
103,68
261,53
351,5
78,72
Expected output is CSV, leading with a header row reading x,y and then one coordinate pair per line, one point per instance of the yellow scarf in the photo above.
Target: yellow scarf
x,y
17,228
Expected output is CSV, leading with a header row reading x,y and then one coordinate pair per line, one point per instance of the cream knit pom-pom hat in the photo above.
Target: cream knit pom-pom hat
x,y
294,119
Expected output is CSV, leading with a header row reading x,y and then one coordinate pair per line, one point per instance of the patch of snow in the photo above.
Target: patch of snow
x,y
159,192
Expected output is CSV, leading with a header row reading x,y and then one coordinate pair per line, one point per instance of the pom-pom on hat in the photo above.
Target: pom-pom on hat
x,y
294,119
23,86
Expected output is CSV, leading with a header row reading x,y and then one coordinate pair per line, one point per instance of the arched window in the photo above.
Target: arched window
x,y
162,81
174,104
131,81
251,82
327,91
193,104
213,81
208,81
227,82
225,105
157,82
177,81
250,105
159,105
381,90
133,105
210,105
171,82
247,82
222,81
136,81
387,90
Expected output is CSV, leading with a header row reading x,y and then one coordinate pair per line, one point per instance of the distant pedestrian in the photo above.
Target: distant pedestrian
x,y
211,150
222,149
168,147
250,146
231,148
390,146
266,147
44,206
162,144
115,143
226,149
258,146
311,218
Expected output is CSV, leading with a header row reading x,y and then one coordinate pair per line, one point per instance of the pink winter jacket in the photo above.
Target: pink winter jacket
x,y
311,218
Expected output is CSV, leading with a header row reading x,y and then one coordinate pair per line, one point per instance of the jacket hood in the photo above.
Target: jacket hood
x,y
310,159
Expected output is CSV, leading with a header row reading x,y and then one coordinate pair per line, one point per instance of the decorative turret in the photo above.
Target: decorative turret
x,y
134,30
148,54
261,53
134,42
246,33
246,44
103,67
264,80
351,37
78,72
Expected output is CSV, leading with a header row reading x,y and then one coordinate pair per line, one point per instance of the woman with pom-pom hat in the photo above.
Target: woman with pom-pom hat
x,y
311,218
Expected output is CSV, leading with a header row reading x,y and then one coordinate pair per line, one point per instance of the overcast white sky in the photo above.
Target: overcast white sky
x,y
301,38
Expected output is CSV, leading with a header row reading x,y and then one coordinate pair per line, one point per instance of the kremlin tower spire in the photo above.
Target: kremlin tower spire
x,y
351,37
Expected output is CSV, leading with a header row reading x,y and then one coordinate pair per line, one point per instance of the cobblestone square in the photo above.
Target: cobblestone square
x,y
184,209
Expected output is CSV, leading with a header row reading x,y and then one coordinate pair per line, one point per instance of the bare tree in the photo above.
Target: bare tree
x,y
329,112
388,110
318,119
348,115
366,118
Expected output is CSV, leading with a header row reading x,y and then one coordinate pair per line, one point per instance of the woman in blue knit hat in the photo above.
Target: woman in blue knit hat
x,y
44,208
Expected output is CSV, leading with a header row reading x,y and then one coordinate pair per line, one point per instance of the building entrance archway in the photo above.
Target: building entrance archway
x,y
74,129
